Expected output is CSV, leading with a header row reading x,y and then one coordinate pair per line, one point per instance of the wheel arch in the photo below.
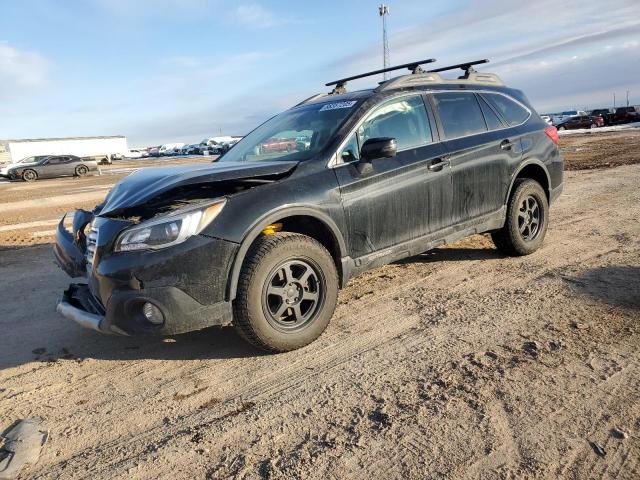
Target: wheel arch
x,y
304,220
536,170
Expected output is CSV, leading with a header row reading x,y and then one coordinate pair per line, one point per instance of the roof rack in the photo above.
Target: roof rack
x,y
340,85
467,67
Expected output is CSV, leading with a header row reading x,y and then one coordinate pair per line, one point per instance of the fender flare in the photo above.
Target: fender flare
x,y
256,228
531,161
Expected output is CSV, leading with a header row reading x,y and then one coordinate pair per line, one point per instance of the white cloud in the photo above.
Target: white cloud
x,y
254,15
21,71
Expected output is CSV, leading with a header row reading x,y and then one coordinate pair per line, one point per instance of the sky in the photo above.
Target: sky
x,y
161,71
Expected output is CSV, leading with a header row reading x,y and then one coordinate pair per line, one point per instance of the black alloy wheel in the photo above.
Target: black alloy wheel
x,y
529,218
293,294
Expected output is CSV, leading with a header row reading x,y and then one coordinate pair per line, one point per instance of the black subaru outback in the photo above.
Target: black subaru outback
x,y
264,238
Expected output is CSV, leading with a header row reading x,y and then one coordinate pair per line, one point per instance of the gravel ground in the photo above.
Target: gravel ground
x,y
458,363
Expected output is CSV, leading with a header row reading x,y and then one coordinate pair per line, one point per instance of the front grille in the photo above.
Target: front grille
x,y
92,239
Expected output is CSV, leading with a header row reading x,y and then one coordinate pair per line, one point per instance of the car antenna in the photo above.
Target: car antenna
x,y
467,67
341,85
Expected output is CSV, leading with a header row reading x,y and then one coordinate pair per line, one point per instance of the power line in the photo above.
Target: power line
x,y
383,10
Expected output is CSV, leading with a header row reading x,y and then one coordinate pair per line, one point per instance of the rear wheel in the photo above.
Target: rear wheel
x,y
81,170
526,223
29,175
594,125
287,292
562,128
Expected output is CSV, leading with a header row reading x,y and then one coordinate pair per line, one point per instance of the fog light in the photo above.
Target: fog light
x,y
152,313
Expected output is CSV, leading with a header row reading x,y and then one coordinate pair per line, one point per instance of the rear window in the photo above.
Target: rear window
x,y
459,113
493,122
512,112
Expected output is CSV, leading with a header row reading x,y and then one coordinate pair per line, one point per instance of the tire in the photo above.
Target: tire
x,y
562,128
81,170
280,270
29,175
593,125
520,235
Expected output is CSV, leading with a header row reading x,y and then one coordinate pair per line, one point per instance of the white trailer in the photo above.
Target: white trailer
x,y
15,150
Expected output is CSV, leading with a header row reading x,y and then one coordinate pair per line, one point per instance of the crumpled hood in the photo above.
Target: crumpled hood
x,y
147,183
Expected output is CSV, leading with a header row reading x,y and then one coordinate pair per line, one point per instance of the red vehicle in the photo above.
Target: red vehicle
x,y
278,145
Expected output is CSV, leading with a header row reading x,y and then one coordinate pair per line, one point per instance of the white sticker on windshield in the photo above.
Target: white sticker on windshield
x,y
337,105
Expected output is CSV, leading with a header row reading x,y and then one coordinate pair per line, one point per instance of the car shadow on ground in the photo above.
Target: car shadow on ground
x,y
453,254
617,285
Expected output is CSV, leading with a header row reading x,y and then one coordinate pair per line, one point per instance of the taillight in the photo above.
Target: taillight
x,y
552,133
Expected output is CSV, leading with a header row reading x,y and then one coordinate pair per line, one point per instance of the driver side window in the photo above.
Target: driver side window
x,y
404,119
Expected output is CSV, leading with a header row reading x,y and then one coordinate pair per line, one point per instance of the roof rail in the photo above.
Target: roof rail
x,y
432,77
467,67
340,85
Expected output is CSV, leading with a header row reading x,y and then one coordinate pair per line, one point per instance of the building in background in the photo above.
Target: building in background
x,y
15,150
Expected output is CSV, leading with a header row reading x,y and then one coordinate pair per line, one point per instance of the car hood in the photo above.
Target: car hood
x,y
21,165
147,183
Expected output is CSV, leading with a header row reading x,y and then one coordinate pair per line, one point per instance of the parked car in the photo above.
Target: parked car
x,y
170,149
265,243
133,153
581,121
154,152
193,149
52,166
627,114
276,145
547,119
566,115
607,115
4,171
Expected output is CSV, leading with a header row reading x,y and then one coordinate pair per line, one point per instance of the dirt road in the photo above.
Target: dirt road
x,y
459,363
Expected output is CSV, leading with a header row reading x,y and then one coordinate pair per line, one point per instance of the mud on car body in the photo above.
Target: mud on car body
x,y
264,239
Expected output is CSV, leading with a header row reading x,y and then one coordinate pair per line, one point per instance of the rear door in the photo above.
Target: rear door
x,y
400,198
483,149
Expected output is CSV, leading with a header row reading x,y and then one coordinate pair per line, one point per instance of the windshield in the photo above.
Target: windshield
x,y
36,158
297,134
570,112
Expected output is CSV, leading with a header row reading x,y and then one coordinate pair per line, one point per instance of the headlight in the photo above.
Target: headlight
x,y
168,230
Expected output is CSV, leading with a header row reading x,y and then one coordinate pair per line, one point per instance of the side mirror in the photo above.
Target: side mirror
x,y
375,148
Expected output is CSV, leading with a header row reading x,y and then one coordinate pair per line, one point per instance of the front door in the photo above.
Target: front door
x,y
399,198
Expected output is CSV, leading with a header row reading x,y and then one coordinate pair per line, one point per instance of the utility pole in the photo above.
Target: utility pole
x,y
614,100
627,98
383,10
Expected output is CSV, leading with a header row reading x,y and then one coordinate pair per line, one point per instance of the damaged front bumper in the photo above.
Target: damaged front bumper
x,y
78,304
187,283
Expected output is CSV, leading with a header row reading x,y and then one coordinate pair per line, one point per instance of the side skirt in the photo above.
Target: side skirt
x,y
354,267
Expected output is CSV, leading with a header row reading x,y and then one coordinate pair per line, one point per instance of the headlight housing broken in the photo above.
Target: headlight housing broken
x,y
168,230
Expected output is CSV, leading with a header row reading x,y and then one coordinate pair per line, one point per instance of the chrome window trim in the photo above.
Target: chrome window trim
x,y
334,162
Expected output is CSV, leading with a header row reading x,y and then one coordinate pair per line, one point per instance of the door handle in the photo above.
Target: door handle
x,y
438,164
506,145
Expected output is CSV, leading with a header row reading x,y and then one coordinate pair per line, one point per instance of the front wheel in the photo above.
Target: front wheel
x,y
81,171
562,129
29,175
526,223
594,125
287,292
